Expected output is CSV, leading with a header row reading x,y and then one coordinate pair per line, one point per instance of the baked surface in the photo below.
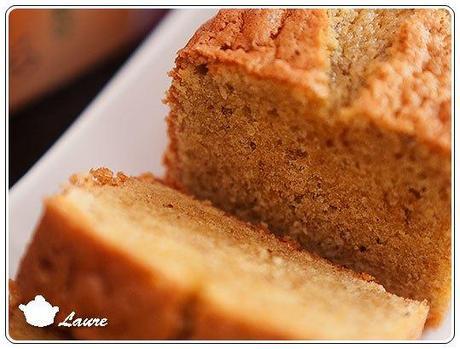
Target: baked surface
x,y
331,126
159,264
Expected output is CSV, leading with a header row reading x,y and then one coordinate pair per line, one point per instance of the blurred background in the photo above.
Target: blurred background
x,y
59,59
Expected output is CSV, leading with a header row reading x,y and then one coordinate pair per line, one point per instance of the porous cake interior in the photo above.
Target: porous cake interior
x,y
255,148
243,272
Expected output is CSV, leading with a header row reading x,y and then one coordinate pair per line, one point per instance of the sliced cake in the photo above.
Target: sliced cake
x,y
161,265
332,127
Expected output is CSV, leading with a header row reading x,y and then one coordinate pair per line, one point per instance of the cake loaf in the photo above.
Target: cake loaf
x,y
332,127
161,265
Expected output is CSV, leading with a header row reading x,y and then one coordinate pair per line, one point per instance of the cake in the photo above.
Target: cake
x,y
332,127
161,265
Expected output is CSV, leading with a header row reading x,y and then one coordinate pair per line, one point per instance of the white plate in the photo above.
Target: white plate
x,y
123,129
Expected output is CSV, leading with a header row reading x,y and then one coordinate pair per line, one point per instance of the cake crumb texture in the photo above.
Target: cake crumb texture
x,y
332,127
161,265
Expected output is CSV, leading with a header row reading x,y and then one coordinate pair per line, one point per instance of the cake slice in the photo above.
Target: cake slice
x,y
159,264
332,127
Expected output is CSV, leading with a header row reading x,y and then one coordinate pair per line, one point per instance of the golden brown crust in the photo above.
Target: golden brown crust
x,y
411,91
286,45
408,92
98,176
